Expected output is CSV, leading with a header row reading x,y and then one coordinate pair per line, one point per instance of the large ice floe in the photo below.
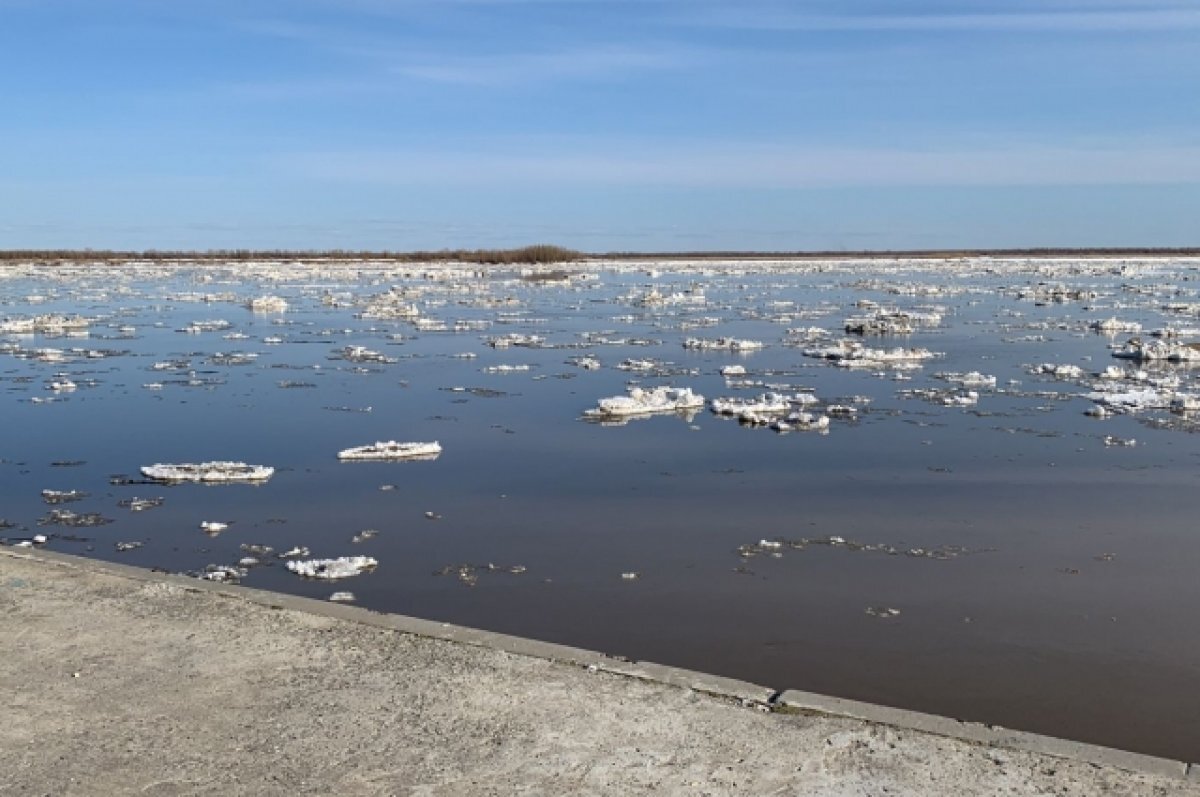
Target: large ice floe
x,y
390,450
329,569
50,324
1169,351
722,344
267,304
853,354
891,322
208,472
647,401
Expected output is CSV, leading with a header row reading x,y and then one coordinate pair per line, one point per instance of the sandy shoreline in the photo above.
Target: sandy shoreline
x,y
118,684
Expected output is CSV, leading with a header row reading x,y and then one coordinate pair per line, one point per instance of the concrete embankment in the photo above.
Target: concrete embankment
x,y
121,681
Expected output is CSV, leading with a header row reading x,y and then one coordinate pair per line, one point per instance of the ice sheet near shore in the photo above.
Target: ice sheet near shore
x,y
390,449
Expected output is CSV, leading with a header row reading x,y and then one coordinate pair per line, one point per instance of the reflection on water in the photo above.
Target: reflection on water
x,y
962,538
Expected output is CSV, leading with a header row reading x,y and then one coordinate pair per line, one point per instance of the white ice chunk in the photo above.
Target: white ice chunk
x,y
645,401
216,471
341,567
390,449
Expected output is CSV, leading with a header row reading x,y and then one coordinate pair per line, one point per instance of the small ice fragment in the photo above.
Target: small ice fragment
x,y
630,576
343,597
213,526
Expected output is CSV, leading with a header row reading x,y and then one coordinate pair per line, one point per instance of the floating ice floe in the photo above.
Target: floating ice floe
x,y
891,322
516,339
268,304
1136,400
1136,349
65,517
140,504
1113,326
1184,402
506,369
211,325
341,567
761,410
733,370
972,379
394,304
224,574
1059,294
50,324
722,344
212,527
655,298
1065,371
647,401
765,404
390,449
36,539
853,354
361,354
947,398
801,422
62,496
208,472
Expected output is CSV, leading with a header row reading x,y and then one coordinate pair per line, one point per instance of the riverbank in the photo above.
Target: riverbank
x,y
121,681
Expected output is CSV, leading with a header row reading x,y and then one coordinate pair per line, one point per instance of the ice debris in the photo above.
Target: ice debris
x,y
208,472
853,354
390,449
341,567
647,401
62,496
724,344
267,304
1169,351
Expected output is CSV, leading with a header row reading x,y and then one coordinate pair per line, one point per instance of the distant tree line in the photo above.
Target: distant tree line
x,y
538,253
908,253
549,253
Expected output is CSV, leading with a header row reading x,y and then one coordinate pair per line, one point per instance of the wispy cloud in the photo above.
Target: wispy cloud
x,y
583,63
760,166
1048,20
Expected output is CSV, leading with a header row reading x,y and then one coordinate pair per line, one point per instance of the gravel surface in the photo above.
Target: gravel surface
x,y
113,685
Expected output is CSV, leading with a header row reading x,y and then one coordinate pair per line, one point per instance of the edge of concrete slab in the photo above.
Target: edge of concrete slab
x,y
748,694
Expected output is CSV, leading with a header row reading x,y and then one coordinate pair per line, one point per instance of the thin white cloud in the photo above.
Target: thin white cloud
x,y
573,64
760,166
1085,20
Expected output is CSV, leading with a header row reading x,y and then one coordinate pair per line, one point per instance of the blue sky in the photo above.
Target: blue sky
x,y
599,124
